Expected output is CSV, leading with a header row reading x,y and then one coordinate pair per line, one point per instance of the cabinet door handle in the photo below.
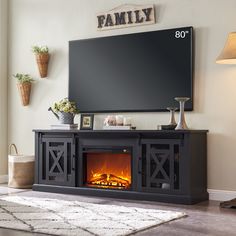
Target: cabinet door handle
x,y
140,165
73,162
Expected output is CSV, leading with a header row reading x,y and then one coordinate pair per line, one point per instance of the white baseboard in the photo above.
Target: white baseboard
x,y
221,195
3,179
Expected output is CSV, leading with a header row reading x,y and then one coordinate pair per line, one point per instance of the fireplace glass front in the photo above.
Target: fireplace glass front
x,y
107,169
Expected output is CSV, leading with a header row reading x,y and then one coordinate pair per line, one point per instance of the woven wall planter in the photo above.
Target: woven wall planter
x,y
42,61
24,90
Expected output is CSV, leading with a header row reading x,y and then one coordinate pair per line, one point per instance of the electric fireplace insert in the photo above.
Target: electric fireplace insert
x,y
107,168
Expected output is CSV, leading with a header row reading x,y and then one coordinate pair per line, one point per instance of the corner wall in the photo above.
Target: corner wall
x,y
55,22
3,88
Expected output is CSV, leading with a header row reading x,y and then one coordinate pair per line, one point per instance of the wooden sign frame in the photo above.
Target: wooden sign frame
x,y
126,16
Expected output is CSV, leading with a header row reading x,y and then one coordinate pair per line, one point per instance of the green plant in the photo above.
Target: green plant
x,y
65,106
40,49
23,78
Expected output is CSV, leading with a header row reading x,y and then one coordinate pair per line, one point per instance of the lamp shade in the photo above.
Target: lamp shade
x,y
228,54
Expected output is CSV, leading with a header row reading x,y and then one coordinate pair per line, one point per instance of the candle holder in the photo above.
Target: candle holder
x,y
172,115
181,123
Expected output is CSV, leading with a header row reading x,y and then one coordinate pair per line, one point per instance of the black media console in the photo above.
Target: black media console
x,y
157,165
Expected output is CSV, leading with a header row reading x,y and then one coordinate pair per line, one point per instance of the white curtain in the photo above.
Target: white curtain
x,y
3,87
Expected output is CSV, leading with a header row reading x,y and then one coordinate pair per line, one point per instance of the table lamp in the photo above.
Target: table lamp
x,y
228,54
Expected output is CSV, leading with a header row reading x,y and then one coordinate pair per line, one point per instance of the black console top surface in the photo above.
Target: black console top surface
x,y
119,131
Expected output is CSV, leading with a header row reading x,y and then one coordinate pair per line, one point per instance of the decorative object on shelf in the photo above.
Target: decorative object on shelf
x,y
110,121
86,121
24,87
126,16
127,121
119,120
168,127
228,54
172,115
42,57
65,126
65,111
165,186
181,123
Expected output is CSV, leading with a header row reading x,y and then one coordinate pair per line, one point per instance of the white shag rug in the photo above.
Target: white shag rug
x,y
73,218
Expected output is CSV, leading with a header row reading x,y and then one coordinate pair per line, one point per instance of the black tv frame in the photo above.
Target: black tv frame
x,y
146,110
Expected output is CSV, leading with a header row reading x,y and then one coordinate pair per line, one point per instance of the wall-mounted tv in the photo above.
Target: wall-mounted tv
x,y
133,72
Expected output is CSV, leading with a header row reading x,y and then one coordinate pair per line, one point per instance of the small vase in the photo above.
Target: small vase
x,y
172,115
66,118
181,123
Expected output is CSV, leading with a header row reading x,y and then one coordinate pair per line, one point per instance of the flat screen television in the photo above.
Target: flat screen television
x,y
133,72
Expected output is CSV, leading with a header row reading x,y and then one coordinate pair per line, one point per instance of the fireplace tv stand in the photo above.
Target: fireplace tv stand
x,y
163,165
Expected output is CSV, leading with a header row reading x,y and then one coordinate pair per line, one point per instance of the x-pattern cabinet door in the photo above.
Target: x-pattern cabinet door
x,y
57,161
161,165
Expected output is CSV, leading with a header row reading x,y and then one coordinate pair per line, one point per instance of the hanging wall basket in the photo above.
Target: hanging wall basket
x,y
24,90
42,61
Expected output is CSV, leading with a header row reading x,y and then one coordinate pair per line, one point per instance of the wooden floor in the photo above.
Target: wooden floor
x,y
205,218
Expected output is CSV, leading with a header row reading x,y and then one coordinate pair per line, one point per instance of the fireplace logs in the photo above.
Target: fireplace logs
x,y
109,181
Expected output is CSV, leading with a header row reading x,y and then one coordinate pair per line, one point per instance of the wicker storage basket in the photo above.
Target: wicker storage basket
x,y
20,169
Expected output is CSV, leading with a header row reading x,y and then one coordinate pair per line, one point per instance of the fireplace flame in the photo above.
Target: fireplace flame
x,y
108,170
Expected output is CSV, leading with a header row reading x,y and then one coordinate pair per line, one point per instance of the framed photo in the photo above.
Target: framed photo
x,y
86,121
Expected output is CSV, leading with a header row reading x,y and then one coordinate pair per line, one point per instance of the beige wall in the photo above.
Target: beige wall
x,y
3,87
55,22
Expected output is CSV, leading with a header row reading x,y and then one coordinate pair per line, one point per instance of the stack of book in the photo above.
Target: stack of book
x,y
64,126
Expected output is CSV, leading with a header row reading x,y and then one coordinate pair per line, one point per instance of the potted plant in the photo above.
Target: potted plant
x,y
42,57
65,111
24,82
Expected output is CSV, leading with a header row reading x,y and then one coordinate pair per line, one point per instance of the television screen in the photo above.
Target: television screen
x,y
134,72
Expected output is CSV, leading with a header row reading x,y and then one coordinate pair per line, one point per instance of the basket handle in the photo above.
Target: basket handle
x,y
15,148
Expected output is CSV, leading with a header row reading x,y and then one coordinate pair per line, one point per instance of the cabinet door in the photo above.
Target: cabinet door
x,y
57,161
161,165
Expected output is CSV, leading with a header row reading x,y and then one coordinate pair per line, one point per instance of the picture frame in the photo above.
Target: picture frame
x,y
86,121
